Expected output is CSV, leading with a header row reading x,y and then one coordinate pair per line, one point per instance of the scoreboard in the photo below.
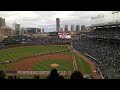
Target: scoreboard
x,y
64,35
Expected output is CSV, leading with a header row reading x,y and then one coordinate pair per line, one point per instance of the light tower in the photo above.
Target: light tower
x,y
117,14
113,13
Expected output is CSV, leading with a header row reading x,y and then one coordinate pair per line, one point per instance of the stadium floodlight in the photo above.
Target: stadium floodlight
x,y
117,15
115,12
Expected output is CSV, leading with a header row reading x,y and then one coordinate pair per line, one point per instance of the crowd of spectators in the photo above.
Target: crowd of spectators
x,y
24,40
111,32
54,75
45,40
106,55
31,40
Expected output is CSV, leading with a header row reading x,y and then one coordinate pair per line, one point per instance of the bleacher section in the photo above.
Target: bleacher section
x,y
104,54
48,40
106,32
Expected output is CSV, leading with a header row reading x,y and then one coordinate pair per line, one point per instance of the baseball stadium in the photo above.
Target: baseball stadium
x,y
93,53
40,55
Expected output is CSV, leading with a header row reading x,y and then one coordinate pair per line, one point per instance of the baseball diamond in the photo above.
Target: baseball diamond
x,y
43,58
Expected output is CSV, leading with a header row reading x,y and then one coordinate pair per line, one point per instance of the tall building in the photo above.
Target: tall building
x,y
83,28
57,24
17,29
66,28
78,28
43,30
61,29
22,31
72,27
2,22
38,30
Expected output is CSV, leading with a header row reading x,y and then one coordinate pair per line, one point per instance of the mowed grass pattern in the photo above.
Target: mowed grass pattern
x,y
19,52
45,65
82,65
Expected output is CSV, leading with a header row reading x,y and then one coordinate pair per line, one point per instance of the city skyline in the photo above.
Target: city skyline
x,y
47,19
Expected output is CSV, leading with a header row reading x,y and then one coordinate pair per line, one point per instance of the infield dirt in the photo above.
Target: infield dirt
x,y
26,64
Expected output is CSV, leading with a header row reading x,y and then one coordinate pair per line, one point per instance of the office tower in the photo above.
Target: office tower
x,y
78,28
57,24
17,29
2,22
72,27
43,30
22,31
61,29
66,28
83,28
38,30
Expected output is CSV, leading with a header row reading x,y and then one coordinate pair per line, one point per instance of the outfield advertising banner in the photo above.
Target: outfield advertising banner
x,y
43,72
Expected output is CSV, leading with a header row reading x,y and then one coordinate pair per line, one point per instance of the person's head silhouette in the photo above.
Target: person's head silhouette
x,y
76,75
2,74
53,74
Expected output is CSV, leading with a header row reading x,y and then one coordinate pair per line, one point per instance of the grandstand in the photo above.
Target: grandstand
x,y
101,45
42,40
110,31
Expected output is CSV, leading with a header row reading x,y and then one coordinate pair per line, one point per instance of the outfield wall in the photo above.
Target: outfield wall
x,y
20,45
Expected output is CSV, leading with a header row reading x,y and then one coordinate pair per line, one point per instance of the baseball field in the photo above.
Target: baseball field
x,y
43,58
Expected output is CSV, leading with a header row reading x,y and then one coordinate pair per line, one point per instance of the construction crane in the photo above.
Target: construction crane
x,y
117,15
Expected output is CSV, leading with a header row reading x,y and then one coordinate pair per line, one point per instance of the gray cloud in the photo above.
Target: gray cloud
x,y
47,19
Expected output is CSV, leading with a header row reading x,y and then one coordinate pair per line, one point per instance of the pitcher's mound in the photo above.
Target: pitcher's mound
x,y
54,65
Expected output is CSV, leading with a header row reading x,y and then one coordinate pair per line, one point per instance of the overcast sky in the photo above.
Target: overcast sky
x,y
47,19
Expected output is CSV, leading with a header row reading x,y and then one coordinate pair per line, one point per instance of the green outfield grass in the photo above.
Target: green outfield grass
x,y
64,65
4,66
19,52
81,64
